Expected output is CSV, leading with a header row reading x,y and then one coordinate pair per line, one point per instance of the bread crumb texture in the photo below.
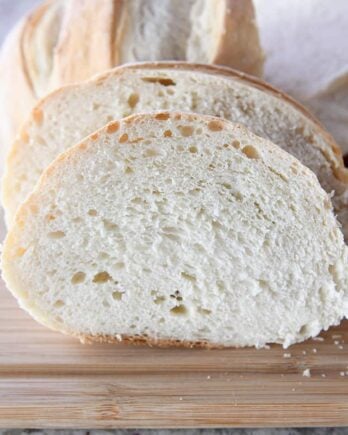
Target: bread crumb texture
x,y
200,236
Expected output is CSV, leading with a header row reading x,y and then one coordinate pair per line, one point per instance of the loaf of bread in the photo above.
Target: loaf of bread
x,y
305,43
179,229
65,41
68,115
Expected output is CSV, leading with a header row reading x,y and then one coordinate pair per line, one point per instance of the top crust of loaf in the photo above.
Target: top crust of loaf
x,y
146,135
324,143
54,46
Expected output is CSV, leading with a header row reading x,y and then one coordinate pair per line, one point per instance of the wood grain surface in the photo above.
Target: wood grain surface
x,y
48,380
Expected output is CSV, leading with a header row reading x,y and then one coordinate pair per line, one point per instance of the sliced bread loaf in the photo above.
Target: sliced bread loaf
x,y
179,229
66,116
64,41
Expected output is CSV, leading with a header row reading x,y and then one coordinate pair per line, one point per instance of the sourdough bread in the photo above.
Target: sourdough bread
x,y
179,228
66,116
306,55
64,41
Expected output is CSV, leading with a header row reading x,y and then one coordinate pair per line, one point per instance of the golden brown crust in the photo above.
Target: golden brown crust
x,y
148,341
84,38
240,14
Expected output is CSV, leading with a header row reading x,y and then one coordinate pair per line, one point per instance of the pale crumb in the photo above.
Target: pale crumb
x,y
304,352
318,339
208,377
180,398
340,347
336,336
282,375
342,374
118,337
306,373
336,342
293,389
314,350
287,355
323,375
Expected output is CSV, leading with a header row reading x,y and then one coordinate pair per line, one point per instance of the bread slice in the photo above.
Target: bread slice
x,y
177,228
306,56
64,41
68,115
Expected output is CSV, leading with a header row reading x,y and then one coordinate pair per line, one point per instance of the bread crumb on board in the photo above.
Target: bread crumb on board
x,y
287,355
306,373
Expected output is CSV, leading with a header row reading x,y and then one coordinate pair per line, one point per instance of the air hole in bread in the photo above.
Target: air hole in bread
x,y
304,330
161,80
162,116
78,278
186,130
102,277
123,138
150,152
188,277
110,226
128,170
59,303
179,310
204,311
113,126
133,100
20,251
193,149
158,300
251,152
263,284
169,229
92,212
215,126
221,287
106,304
96,106
119,265
195,191
216,225
170,91
103,256
227,185
117,295
77,220
162,320
136,200
56,234
172,237
236,144
168,133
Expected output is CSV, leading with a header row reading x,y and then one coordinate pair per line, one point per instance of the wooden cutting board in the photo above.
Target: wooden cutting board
x,y
48,380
